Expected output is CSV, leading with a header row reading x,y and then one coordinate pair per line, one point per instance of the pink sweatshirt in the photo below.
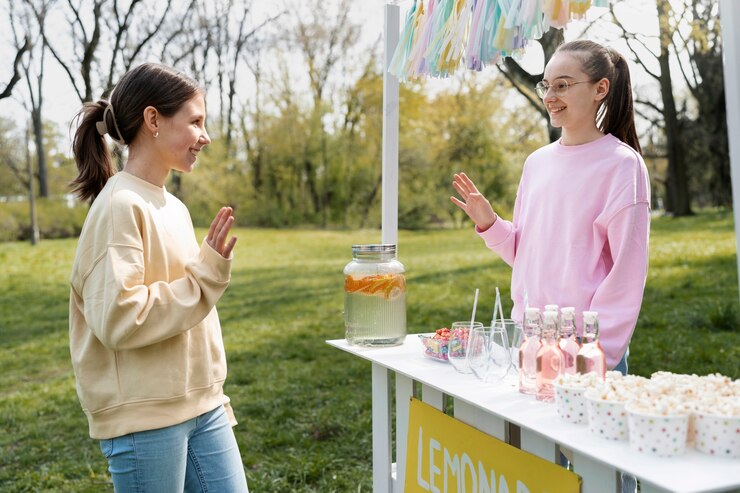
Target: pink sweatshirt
x,y
579,236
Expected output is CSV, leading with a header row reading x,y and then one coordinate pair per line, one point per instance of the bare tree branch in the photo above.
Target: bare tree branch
x,y
148,37
121,29
650,104
16,71
628,36
677,32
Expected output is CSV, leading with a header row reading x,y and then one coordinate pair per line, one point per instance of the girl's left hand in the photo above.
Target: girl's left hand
x,y
219,231
474,203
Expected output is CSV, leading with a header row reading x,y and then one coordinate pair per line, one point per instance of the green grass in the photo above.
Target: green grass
x,y
304,407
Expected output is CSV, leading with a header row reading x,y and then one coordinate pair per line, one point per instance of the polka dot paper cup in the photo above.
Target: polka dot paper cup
x,y
717,435
570,404
654,434
606,419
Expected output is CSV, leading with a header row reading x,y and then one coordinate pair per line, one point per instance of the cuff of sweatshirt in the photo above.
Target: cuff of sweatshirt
x,y
497,233
215,262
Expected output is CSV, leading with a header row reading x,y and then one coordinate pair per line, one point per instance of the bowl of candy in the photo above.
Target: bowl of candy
x,y
436,345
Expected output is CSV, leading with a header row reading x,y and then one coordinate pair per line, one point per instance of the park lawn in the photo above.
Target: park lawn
x,y
304,407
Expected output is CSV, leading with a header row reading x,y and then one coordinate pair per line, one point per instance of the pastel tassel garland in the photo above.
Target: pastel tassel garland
x,y
397,66
439,38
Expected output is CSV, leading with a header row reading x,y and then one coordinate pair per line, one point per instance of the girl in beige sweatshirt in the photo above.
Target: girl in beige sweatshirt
x,y
145,337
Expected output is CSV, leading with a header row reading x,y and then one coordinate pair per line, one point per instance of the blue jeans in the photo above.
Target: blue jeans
x,y
622,365
199,455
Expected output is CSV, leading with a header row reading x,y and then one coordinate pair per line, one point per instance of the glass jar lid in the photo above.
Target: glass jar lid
x,y
384,248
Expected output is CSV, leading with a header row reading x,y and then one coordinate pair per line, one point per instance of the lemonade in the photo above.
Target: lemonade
x,y
375,309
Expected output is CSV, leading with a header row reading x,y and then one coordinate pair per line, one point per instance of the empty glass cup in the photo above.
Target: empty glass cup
x,y
478,346
457,347
515,337
499,354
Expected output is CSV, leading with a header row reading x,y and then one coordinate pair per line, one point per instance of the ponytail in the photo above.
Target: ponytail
x,y
91,153
616,114
619,115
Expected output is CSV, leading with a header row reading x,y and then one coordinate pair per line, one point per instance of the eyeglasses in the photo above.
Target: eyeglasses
x,y
558,86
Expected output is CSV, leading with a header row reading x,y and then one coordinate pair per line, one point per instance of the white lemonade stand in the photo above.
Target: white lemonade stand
x,y
402,379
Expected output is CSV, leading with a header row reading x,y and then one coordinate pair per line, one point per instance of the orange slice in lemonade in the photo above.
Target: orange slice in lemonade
x,y
389,286
395,288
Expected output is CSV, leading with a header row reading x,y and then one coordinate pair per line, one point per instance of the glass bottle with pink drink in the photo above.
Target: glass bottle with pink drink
x,y
591,357
528,351
567,341
550,358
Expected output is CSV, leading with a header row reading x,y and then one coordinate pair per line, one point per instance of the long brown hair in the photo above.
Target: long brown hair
x,y
149,84
616,114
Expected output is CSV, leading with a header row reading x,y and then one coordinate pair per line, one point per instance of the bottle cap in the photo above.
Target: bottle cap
x,y
551,307
568,312
590,317
551,316
533,312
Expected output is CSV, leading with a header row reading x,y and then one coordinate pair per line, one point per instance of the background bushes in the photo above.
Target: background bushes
x,y
55,219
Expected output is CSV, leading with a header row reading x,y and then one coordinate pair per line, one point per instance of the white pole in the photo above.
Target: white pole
x,y
730,18
390,130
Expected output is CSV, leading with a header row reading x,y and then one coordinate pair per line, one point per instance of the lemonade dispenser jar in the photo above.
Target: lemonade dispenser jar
x,y
375,297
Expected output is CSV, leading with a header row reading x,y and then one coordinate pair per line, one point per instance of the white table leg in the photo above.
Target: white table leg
x,y
433,397
481,420
597,476
404,392
382,480
536,444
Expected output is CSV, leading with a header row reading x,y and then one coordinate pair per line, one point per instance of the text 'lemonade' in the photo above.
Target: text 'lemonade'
x,y
374,297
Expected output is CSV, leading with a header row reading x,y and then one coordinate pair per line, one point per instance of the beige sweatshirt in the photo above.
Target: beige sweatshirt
x,y
145,337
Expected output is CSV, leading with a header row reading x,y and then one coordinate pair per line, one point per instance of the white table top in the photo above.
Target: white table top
x,y
690,472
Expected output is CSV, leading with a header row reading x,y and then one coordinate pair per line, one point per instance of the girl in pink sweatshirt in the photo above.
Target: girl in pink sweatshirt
x,y
579,235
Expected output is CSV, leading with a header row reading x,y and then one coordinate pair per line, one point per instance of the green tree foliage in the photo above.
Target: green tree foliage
x,y
13,178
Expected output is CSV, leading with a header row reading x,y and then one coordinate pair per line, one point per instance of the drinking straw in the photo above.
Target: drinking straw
x,y
475,304
470,332
500,309
506,342
495,307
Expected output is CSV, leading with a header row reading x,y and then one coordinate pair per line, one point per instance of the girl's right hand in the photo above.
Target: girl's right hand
x,y
474,204
219,231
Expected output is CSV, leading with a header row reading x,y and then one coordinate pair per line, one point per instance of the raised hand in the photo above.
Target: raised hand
x,y
473,203
219,231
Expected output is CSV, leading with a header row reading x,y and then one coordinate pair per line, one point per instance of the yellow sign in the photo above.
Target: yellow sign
x,y
445,455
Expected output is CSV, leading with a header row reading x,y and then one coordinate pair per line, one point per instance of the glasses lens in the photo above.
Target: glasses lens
x,y
541,89
560,86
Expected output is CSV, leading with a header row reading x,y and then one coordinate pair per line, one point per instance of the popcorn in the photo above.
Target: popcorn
x,y
675,394
663,405
661,415
728,406
588,380
622,389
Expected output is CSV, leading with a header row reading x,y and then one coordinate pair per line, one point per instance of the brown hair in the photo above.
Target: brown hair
x,y
149,84
616,114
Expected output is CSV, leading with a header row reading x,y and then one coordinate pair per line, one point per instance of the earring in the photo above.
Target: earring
x,y
156,134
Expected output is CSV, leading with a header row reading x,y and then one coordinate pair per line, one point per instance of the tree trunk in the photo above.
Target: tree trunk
x,y
38,133
678,203
35,236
